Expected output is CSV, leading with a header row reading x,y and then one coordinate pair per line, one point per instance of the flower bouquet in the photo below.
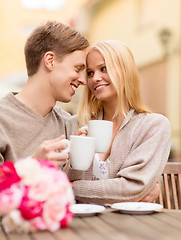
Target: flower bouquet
x,y
34,195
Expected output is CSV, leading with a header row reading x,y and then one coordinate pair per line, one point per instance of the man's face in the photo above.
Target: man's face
x,y
67,75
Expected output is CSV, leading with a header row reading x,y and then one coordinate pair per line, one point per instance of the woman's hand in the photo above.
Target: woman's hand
x,y
82,131
152,195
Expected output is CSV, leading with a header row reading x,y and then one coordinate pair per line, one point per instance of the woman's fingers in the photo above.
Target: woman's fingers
x,y
152,195
81,132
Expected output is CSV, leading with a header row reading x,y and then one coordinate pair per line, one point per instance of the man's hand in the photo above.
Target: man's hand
x,y
51,150
152,195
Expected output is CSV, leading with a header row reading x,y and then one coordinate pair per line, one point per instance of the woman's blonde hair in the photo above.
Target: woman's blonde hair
x,y
123,73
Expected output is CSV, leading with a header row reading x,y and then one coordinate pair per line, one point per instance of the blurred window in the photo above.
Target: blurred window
x,y
43,4
147,12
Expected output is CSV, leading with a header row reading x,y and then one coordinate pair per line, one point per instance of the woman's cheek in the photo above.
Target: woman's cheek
x,y
90,85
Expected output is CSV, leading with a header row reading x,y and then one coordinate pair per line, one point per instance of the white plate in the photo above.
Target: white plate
x,y
137,207
86,209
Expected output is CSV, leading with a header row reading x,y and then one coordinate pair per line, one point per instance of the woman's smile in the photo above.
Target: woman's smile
x,y
100,87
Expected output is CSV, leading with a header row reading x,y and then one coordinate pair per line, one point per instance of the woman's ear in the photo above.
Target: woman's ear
x,y
49,60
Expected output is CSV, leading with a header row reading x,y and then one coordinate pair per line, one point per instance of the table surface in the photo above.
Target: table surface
x,y
113,225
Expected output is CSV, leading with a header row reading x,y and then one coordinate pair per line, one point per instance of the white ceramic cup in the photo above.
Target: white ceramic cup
x,y
102,131
82,150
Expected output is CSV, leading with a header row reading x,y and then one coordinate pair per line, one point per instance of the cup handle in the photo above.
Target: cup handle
x,y
84,128
67,142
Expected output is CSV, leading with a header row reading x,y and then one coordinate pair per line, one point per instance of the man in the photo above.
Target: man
x,y
55,57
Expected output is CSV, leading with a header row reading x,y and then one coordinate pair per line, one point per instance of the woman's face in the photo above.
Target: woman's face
x,y
99,81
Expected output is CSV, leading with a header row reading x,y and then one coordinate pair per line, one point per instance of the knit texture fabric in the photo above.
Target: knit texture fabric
x,y
22,130
138,156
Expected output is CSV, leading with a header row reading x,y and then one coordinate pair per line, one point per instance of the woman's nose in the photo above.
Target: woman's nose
x,y
97,76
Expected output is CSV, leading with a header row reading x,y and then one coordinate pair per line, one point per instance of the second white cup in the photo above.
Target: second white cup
x,y
102,131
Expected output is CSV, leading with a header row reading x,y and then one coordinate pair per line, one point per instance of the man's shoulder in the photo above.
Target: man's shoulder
x,y
6,104
5,99
62,113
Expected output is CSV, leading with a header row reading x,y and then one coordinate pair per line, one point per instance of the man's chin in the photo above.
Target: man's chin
x,y
66,100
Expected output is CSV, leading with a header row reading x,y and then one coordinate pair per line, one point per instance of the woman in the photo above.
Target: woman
x,y
141,140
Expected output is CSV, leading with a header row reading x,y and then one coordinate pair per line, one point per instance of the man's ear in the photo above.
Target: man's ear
x,y
49,60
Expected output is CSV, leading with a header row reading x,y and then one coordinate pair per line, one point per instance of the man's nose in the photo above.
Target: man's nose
x,y
82,79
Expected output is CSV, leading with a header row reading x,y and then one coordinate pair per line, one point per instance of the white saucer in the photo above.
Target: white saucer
x,y
137,207
86,209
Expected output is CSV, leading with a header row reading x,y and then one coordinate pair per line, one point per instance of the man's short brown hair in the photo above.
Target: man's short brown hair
x,y
53,36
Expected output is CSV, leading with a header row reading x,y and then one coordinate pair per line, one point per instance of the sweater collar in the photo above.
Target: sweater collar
x,y
126,119
19,104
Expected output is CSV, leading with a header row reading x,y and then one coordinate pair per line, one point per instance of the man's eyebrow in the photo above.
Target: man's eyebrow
x,y
81,65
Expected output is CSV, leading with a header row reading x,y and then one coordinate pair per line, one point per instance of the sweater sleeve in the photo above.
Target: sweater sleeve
x,y
140,170
5,145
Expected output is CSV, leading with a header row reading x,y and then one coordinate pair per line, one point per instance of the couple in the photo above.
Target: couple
x,y
31,125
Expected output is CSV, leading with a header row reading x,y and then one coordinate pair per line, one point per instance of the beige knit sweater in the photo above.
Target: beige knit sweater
x,y
22,130
138,156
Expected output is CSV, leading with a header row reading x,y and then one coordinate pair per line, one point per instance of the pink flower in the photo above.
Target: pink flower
x,y
34,195
54,211
30,208
41,189
28,169
65,222
8,175
10,199
38,223
48,182
45,163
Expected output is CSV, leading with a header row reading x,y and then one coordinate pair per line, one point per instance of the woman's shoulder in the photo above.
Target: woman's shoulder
x,y
157,118
153,120
150,117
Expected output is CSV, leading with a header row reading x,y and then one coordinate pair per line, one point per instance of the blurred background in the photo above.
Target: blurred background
x,y
150,28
